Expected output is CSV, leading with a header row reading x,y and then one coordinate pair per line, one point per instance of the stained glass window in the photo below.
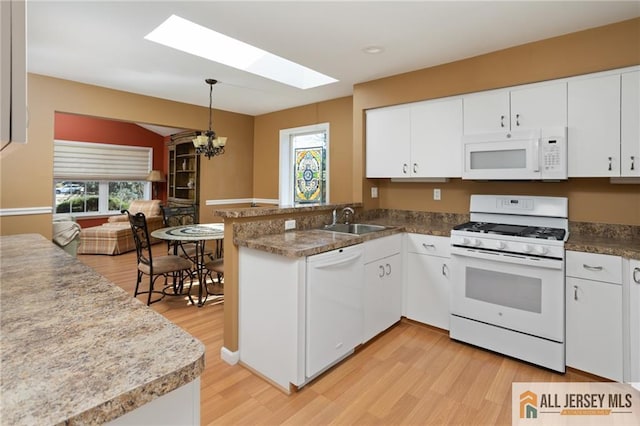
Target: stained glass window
x,y
309,171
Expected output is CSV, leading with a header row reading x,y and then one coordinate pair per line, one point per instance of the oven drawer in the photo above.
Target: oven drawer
x,y
429,244
593,266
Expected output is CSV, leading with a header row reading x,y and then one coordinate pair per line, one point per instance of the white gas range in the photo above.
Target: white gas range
x,y
508,277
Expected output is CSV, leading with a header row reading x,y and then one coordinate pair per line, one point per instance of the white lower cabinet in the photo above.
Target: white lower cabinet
x,y
427,283
594,330
382,285
632,298
271,316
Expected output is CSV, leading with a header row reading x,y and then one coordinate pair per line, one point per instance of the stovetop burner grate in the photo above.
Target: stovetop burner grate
x,y
524,231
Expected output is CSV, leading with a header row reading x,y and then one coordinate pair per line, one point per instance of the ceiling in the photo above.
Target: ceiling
x,y
102,43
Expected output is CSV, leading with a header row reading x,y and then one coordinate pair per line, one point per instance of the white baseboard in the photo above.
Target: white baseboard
x,y
229,357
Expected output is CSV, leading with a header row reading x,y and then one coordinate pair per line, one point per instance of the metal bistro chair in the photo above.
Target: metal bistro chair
x,y
172,266
178,216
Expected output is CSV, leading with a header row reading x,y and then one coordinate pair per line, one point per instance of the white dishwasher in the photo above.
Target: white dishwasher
x,y
334,306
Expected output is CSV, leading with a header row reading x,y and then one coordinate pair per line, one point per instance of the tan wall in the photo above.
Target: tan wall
x,y
598,49
338,113
26,171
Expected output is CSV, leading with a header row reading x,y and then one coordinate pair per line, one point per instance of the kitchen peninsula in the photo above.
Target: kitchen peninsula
x,y
77,349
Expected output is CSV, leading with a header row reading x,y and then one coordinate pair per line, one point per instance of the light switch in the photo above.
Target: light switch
x,y
289,224
436,194
374,192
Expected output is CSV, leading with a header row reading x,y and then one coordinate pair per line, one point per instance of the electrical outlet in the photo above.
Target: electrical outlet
x,y
436,194
289,224
374,192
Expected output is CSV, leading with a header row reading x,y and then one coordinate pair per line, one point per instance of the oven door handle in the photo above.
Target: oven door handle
x,y
508,258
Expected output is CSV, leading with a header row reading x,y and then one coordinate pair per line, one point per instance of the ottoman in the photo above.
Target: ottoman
x,y
109,238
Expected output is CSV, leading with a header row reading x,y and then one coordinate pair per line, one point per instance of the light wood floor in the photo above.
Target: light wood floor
x,y
410,375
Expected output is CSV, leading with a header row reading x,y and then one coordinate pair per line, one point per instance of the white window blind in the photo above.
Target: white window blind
x,y
96,161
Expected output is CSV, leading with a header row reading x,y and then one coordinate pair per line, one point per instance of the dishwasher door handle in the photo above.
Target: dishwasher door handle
x,y
339,262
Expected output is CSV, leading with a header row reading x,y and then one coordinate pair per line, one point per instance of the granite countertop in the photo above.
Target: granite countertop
x,y
625,247
76,348
309,242
601,239
313,241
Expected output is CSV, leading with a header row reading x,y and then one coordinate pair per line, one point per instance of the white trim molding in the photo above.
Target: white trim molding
x,y
241,201
23,211
229,357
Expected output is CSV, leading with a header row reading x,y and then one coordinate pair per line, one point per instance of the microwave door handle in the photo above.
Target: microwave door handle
x,y
536,155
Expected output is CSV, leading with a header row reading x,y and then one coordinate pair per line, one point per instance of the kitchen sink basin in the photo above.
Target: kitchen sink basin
x,y
354,228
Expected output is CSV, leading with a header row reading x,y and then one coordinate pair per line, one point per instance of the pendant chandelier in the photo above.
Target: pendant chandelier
x,y
208,143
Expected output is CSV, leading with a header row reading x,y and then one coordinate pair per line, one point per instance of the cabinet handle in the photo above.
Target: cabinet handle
x,y
388,269
404,168
502,121
517,119
415,167
381,271
636,278
575,292
610,164
592,268
633,162
428,246
445,269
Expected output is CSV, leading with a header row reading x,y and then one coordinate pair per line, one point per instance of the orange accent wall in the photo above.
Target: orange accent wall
x,y
81,128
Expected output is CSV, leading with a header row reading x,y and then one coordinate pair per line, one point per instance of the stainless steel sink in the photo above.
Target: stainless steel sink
x,y
354,228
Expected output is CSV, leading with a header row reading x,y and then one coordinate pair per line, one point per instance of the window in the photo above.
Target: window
x,y
96,179
304,171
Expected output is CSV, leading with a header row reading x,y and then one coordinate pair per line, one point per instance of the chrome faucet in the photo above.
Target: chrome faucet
x,y
334,217
347,213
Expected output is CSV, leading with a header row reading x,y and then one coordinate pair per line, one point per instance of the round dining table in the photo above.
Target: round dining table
x,y
199,234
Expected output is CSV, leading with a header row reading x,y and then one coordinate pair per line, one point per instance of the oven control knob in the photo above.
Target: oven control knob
x,y
527,248
475,242
541,250
463,241
501,245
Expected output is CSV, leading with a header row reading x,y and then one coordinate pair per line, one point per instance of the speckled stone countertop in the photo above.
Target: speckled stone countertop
x,y
75,348
309,242
313,241
617,240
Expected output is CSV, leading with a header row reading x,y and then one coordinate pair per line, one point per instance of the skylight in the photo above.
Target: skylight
x,y
184,35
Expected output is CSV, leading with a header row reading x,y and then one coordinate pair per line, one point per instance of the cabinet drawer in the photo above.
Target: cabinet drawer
x,y
428,244
382,247
592,266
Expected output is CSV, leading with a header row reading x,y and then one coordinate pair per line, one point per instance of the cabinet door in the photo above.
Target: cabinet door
x,y
428,290
630,125
436,131
539,107
382,295
594,127
486,112
388,139
594,327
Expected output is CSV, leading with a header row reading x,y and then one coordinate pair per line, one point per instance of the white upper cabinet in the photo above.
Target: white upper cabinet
x,y
528,107
436,132
593,132
486,112
388,142
630,125
420,140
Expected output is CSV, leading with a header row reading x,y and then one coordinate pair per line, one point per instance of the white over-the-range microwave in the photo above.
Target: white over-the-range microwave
x,y
516,155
